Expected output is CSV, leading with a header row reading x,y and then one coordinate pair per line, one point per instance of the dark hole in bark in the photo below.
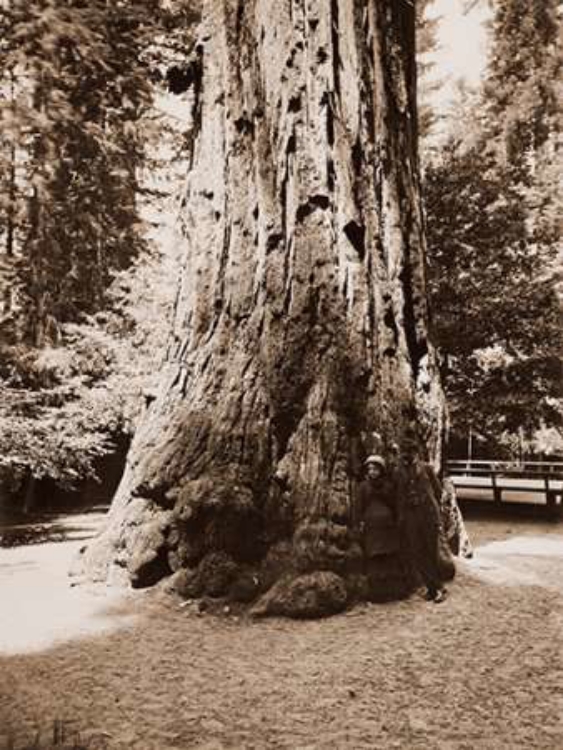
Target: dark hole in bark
x,y
335,45
313,304
273,241
152,489
313,24
357,154
294,104
291,145
256,213
153,571
389,320
330,174
330,126
314,202
356,234
240,14
285,423
208,194
244,126
389,352
217,215
283,199
371,315
322,55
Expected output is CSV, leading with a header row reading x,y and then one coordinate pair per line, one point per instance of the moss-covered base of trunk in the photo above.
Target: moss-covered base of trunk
x,y
231,556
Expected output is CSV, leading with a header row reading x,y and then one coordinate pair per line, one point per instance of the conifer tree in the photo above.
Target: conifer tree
x,y
77,124
492,208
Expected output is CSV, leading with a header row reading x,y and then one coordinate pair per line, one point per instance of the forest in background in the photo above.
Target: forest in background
x,y
90,166
87,179
493,230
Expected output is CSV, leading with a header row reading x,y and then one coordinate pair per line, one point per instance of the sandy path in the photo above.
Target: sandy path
x,y
40,606
482,671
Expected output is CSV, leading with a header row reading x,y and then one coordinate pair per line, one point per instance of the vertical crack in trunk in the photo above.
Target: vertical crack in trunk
x,y
335,45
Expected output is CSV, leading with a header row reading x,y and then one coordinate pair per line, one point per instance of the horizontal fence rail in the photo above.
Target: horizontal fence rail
x,y
536,482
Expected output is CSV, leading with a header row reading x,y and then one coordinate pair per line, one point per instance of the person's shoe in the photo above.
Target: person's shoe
x,y
430,595
440,596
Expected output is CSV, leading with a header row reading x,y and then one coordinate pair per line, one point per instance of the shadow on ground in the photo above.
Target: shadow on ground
x,y
18,530
483,670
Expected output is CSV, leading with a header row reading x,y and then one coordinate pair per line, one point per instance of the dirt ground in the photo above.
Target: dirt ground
x,y
483,670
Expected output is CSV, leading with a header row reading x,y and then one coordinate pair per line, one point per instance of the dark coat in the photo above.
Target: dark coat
x,y
377,517
419,491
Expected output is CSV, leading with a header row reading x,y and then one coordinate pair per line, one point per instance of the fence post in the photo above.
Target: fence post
x,y
550,496
497,491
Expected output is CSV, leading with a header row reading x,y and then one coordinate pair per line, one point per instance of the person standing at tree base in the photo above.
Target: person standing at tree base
x,y
377,518
420,524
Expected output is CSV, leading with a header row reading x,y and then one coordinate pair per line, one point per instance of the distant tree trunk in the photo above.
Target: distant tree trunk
x,y
301,320
35,244
11,205
30,498
10,226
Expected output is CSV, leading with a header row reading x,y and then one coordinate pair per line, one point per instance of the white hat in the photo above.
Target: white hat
x,y
373,459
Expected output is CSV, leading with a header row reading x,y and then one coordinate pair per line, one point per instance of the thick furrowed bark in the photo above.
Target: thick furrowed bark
x,y
300,325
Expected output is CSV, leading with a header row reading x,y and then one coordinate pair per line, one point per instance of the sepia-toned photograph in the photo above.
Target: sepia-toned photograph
x,y
281,375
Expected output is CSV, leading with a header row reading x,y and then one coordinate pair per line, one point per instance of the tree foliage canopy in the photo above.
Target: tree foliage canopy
x,y
492,206
78,138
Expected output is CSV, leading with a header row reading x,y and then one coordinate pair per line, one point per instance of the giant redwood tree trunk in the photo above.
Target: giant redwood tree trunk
x,y
301,321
